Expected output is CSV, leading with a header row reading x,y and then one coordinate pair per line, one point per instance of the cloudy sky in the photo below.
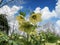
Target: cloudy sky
x,y
50,10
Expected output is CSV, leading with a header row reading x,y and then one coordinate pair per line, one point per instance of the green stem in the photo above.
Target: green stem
x,y
27,38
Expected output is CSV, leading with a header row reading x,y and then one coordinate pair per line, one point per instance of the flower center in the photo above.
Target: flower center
x,y
34,16
21,17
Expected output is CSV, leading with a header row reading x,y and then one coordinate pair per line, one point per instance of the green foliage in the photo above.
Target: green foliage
x,y
31,38
51,37
22,13
37,39
4,23
34,38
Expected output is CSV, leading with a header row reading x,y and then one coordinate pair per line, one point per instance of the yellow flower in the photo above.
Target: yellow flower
x,y
20,19
34,18
58,41
27,27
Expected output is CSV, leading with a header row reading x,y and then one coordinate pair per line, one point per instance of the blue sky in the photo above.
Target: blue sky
x,y
50,10
33,4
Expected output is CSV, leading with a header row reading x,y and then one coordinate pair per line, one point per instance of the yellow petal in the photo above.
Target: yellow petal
x,y
34,18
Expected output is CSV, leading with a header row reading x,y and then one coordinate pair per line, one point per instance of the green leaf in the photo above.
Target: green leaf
x,y
22,13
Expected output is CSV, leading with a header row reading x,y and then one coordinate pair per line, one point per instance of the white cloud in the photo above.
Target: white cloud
x,y
57,9
58,23
54,13
9,10
37,10
13,27
58,2
46,14
57,27
57,30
